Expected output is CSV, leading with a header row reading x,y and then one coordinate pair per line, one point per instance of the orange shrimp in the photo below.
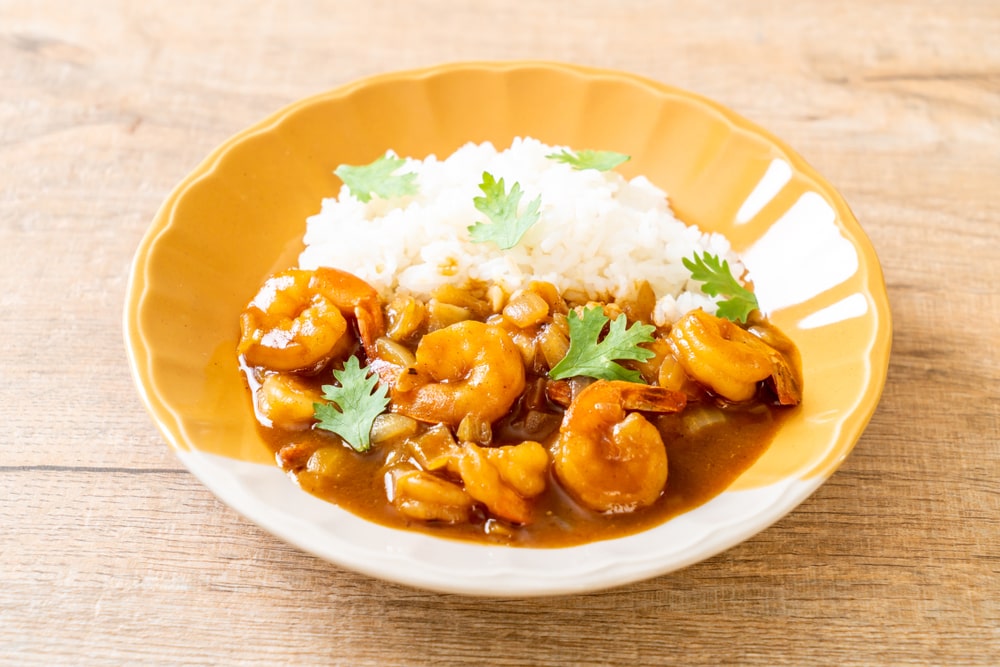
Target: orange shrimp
x,y
285,401
730,360
465,368
608,456
504,478
423,496
296,320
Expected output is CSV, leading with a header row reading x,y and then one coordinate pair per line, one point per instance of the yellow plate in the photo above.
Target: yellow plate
x,y
241,215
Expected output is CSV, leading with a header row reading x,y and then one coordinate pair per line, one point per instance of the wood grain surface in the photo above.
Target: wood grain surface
x,y
111,553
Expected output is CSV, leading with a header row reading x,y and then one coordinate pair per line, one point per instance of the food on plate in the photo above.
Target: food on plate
x,y
516,346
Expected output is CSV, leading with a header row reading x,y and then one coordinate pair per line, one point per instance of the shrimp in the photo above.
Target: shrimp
x,y
730,360
286,401
504,478
296,320
465,368
426,497
609,457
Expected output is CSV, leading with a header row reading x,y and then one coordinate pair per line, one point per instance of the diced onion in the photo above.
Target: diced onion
x,y
390,426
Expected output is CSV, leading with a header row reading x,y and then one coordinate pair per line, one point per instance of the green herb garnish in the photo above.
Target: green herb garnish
x,y
718,281
378,179
596,358
506,226
355,404
586,159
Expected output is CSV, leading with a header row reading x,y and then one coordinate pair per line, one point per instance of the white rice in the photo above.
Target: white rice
x,y
599,234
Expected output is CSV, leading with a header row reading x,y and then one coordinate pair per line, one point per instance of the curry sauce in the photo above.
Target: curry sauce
x,y
703,460
485,420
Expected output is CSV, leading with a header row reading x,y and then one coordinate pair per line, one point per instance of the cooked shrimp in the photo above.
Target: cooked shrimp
x,y
504,478
296,320
286,401
730,360
353,295
465,368
522,466
609,457
424,496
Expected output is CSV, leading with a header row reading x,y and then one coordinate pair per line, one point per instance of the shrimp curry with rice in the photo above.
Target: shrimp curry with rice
x,y
509,410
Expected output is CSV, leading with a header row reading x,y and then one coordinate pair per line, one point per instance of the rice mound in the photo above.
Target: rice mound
x,y
598,236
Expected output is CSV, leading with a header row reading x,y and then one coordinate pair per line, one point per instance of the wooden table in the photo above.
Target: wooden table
x,y
111,553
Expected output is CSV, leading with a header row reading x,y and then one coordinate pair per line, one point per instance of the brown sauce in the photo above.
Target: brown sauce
x,y
708,444
702,462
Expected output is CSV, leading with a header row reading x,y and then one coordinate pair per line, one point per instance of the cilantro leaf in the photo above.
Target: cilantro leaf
x,y
377,179
718,281
593,358
586,159
506,227
356,403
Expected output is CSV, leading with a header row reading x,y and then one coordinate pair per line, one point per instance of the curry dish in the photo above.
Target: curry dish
x,y
479,415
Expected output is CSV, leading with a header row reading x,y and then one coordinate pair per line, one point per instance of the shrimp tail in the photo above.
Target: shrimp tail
x,y
786,384
371,327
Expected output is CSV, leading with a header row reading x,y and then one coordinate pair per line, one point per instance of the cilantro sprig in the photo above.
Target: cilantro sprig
x,y
718,281
588,159
378,178
594,357
506,225
355,404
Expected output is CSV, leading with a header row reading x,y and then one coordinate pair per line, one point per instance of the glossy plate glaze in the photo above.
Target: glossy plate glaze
x,y
241,214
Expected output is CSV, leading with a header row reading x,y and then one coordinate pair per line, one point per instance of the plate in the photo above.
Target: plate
x,y
241,214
